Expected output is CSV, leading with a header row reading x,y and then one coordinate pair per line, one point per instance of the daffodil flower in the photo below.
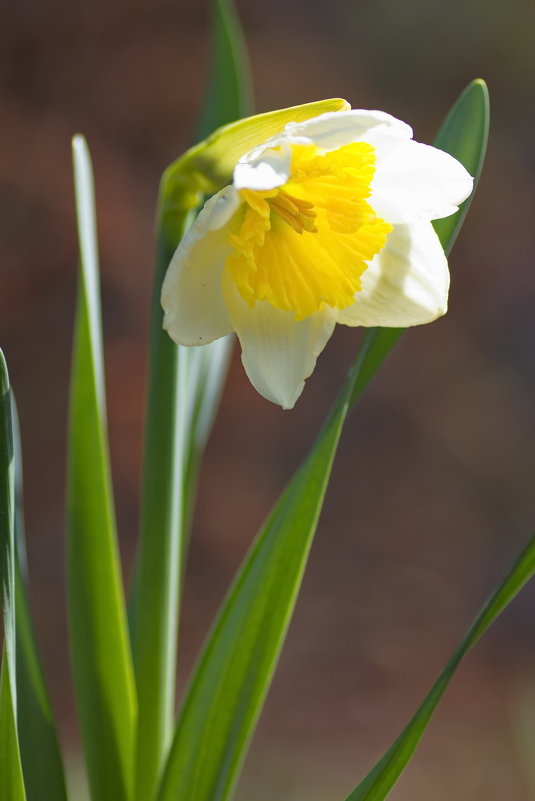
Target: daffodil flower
x,y
328,221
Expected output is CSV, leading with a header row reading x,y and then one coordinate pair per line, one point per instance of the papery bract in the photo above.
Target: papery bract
x,y
327,221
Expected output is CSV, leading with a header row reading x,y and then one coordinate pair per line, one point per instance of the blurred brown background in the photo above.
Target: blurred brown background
x,y
432,494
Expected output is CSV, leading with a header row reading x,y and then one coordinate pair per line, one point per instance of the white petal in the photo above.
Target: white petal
x,y
335,129
269,166
278,352
219,209
192,298
418,182
264,167
405,284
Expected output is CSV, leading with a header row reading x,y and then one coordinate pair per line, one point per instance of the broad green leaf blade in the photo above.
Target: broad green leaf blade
x,y
184,389
464,134
235,669
378,783
39,746
11,781
20,542
228,94
102,669
7,524
233,675
41,757
156,591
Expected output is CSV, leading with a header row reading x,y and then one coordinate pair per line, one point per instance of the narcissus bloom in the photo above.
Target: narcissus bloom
x,y
328,221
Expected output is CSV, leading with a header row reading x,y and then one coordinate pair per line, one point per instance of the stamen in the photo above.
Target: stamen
x,y
299,214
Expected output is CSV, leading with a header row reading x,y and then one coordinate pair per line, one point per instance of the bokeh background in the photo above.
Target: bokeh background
x,y
432,493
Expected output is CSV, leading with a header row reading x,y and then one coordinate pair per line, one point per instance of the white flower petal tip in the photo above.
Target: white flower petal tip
x,y
328,220
278,352
419,182
406,284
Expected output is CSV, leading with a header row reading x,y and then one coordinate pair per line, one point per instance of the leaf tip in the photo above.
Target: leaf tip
x,y
79,144
480,86
4,376
481,83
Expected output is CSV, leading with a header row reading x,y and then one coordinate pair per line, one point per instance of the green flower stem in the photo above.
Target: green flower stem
x,y
157,587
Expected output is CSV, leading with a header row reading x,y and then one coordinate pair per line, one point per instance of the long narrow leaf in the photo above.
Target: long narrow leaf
x,y
7,524
41,757
231,680
378,783
11,781
42,763
102,668
228,94
464,133
233,675
184,388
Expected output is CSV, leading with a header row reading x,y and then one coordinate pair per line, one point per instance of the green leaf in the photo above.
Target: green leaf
x,y
7,522
102,669
228,95
464,134
232,677
41,757
184,389
42,763
378,783
11,781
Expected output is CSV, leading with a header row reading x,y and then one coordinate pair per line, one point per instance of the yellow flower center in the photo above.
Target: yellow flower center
x,y
296,212
305,245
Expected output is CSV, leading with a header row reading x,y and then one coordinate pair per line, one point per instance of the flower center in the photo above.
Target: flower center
x,y
305,245
296,212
